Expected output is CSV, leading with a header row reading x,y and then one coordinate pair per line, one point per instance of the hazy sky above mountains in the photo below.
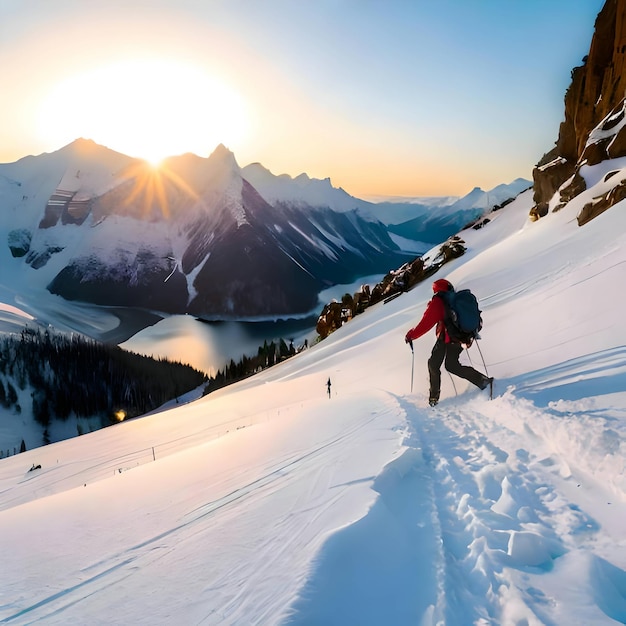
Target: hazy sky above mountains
x,y
382,96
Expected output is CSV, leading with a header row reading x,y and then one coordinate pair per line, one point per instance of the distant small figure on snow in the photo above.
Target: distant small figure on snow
x,y
328,385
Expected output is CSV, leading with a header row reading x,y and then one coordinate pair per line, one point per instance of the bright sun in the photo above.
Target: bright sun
x,y
149,109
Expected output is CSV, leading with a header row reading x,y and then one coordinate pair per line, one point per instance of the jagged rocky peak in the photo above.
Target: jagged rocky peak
x,y
224,157
222,167
221,152
593,129
198,170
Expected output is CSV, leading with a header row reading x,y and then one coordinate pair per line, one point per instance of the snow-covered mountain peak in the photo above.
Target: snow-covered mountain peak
x,y
87,152
223,156
220,170
85,146
478,198
303,179
302,190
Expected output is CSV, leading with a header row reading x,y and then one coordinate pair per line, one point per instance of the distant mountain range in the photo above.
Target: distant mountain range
x,y
199,235
437,224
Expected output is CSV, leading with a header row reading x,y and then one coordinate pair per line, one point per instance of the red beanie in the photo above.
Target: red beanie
x,y
442,285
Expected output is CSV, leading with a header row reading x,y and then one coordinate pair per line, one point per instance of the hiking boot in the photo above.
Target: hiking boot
x,y
433,401
489,385
486,382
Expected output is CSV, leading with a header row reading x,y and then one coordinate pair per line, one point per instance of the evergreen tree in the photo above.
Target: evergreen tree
x,y
41,411
283,349
11,394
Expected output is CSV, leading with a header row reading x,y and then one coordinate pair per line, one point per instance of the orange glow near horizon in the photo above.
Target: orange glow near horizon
x,y
150,184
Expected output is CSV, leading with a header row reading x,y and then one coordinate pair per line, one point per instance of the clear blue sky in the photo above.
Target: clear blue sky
x,y
399,97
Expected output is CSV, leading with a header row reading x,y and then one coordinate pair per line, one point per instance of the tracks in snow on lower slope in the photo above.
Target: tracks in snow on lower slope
x,y
121,565
507,529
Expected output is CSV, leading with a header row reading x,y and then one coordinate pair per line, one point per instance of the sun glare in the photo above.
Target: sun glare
x,y
151,186
149,109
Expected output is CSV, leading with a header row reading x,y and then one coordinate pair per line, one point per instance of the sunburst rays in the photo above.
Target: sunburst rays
x,y
156,190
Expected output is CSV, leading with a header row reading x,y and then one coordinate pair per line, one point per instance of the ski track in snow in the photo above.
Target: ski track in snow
x,y
122,568
505,522
494,494
487,526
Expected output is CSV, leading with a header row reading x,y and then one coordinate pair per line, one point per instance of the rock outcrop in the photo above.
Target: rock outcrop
x,y
593,129
394,284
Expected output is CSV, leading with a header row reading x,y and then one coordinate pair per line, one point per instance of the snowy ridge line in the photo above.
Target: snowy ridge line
x,y
284,251
340,242
316,242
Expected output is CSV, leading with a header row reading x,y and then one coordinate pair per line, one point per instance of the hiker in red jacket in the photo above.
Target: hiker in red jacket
x,y
444,348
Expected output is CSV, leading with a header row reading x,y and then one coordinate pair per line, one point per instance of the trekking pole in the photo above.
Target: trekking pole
x,y
482,357
453,385
412,364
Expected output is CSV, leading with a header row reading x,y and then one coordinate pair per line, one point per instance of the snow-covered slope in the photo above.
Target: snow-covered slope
x,y
269,503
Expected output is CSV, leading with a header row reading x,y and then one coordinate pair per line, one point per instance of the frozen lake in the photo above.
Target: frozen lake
x,y
205,344
208,345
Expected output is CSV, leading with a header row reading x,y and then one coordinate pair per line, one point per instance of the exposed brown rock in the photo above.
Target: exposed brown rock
x,y
596,93
596,152
601,204
576,187
329,320
547,178
335,314
617,147
598,86
539,210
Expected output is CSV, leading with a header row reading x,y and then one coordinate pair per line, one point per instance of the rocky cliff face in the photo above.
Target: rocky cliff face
x,y
593,129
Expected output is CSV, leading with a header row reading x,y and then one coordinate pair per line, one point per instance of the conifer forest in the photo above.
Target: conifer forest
x,y
70,374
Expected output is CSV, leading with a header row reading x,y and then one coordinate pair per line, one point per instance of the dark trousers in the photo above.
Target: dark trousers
x,y
450,352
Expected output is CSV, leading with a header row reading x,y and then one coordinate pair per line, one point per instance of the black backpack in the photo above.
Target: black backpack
x,y
462,318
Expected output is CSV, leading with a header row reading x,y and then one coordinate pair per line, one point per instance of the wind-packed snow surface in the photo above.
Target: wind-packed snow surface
x,y
270,502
